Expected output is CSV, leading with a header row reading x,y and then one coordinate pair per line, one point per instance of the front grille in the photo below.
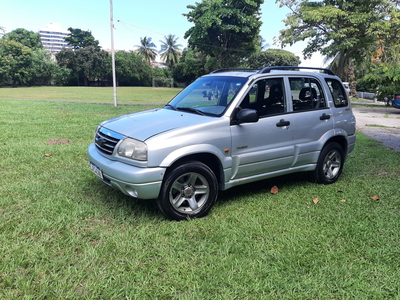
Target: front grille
x,y
106,141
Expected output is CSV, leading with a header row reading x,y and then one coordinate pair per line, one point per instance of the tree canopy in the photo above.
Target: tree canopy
x,y
349,28
79,38
170,50
331,26
21,65
25,37
225,30
272,57
147,49
87,63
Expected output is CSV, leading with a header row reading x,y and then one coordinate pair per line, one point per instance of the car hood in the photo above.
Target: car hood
x,y
146,124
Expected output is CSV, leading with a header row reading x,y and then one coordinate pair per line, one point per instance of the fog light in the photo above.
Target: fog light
x,y
131,191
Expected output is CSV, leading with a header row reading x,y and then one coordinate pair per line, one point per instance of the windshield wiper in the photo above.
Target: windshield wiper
x,y
169,105
191,109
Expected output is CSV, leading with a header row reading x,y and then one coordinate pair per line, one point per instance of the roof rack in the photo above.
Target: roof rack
x,y
269,69
234,70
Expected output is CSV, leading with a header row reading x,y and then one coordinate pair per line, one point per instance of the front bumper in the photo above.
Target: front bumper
x,y
142,183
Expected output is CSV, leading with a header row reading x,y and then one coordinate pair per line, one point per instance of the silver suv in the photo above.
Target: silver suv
x,y
228,128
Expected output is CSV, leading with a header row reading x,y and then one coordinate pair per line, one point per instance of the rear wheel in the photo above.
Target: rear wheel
x,y
189,190
330,164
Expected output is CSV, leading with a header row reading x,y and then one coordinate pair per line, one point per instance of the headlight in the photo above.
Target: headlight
x,y
133,149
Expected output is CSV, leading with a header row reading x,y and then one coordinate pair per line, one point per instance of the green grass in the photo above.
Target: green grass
x,y
125,95
66,235
376,125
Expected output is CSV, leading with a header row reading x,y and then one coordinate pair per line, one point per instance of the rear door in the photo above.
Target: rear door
x,y
312,118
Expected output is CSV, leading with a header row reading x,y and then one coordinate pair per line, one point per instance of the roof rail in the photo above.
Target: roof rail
x,y
269,69
234,70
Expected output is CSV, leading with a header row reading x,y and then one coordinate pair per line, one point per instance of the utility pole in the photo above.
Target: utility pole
x,y
112,53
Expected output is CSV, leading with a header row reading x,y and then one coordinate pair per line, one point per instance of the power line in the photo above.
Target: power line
x,y
124,23
200,44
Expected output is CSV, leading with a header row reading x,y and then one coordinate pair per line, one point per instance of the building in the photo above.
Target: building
x,y
52,38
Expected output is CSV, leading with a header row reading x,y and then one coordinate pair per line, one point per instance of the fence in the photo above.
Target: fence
x,y
365,95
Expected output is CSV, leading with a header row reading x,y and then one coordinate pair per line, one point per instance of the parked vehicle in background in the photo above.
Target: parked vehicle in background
x,y
396,101
228,128
347,88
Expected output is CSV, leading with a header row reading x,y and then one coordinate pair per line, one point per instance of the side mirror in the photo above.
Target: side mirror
x,y
247,115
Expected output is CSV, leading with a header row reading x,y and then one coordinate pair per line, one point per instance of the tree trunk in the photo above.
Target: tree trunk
x,y
352,79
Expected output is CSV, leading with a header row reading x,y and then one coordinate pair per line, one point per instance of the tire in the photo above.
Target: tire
x,y
330,164
188,191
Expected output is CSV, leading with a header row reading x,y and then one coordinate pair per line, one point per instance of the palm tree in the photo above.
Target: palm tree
x,y
339,64
262,44
2,30
170,50
148,49
343,66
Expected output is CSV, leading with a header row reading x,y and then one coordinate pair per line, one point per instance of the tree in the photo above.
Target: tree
x,y
86,64
147,49
170,50
385,78
79,38
225,30
20,65
90,62
336,26
16,63
25,37
272,57
262,44
131,69
192,65
44,70
66,59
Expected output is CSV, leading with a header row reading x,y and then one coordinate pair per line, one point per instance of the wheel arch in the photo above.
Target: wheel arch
x,y
209,159
341,140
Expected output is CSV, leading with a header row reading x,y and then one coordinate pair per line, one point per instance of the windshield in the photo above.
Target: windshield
x,y
208,95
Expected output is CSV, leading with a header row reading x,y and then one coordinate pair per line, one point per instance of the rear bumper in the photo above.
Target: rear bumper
x,y
396,103
142,183
351,142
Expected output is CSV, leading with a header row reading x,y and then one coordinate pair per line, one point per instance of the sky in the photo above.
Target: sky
x,y
132,20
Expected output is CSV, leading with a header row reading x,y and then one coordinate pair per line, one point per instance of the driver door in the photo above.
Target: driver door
x,y
267,145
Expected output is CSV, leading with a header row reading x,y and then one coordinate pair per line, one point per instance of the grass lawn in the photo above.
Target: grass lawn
x,y
66,235
125,95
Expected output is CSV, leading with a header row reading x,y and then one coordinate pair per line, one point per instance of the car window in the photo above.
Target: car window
x,y
267,96
210,95
307,94
338,94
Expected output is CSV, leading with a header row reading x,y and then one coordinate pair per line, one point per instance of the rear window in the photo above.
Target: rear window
x,y
338,94
307,94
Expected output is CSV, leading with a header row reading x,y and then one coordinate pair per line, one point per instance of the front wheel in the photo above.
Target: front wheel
x,y
189,190
330,164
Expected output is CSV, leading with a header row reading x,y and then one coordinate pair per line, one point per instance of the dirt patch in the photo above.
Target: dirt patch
x,y
381,123
57,141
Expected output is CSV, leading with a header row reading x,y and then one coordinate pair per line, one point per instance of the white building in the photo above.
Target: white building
x,y
52,38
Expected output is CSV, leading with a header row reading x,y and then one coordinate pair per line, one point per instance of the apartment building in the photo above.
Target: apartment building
x,y
52,38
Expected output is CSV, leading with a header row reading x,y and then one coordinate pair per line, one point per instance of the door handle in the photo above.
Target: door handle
x,y
324,117
282,123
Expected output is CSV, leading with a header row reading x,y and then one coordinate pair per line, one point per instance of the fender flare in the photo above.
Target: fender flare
x,y
177,154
